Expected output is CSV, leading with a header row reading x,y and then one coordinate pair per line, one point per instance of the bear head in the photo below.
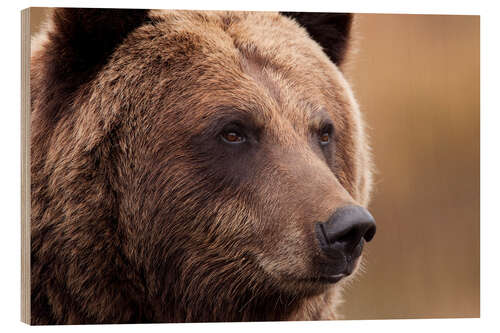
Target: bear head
x,y
186,165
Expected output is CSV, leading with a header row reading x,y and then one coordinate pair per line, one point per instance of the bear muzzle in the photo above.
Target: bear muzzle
x,y
341,240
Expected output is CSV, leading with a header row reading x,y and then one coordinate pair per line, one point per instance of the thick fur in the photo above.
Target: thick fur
x,y
140,213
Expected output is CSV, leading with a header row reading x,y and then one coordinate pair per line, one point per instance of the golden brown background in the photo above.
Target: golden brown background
x,y
416,78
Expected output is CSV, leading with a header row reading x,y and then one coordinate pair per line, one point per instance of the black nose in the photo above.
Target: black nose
x,y
345,229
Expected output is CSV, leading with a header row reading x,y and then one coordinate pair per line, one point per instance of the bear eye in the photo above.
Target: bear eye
x,y
232,137
325,135
324,139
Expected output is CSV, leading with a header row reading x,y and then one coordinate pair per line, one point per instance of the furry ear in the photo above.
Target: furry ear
x,y
330,30
83,38
74,47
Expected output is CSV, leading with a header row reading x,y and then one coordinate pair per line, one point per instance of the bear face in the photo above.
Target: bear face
x,y
182,162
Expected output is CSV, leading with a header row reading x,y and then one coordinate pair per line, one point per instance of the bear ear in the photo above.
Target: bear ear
x,y
82,38
330,30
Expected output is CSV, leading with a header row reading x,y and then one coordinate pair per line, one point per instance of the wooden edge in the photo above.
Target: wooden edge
x,y
25,168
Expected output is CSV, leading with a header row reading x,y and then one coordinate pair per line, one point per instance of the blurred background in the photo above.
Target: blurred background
x,y
416,78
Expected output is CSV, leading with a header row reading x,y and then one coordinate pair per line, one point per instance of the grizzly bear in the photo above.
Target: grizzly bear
x,y
194,166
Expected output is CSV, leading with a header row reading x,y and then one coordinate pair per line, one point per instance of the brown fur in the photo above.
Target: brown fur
x,y
139,213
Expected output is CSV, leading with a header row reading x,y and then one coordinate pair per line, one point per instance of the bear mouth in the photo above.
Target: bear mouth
x,y
331,274
327,279
322,279
332,278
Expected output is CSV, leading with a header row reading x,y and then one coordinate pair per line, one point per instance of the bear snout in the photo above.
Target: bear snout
x,y
341,239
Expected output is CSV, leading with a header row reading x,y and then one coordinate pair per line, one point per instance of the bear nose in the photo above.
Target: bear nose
x,y
345,229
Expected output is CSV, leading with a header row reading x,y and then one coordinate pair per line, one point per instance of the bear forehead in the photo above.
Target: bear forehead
x,y
259,62
260,39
